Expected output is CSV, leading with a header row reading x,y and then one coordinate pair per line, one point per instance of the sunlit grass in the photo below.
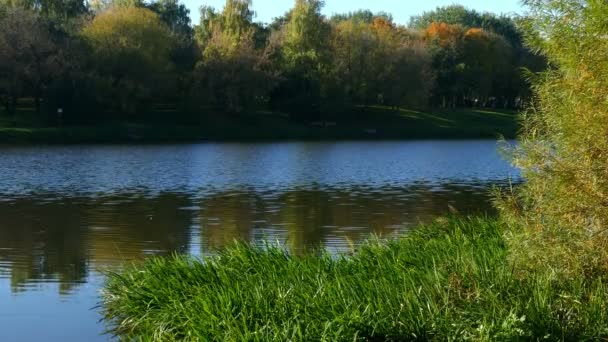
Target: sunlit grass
x,y
447,281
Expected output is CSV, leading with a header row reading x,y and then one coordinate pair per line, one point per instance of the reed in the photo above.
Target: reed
x,y
447,281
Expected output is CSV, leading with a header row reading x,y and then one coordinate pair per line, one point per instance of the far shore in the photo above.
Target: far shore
x,y
375,123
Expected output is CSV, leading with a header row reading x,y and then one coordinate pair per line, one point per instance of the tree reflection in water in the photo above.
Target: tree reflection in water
x,y
62,240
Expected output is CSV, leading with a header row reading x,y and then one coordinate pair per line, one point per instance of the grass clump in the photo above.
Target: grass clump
x,y
447,281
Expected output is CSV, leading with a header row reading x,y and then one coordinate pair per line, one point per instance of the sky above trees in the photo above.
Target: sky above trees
x,y
400,9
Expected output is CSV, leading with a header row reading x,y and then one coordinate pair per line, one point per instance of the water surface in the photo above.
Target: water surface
x,y
66,212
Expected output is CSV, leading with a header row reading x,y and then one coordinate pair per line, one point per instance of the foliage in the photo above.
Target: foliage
x,y
562,205
361,16
230,75
117,57
31,57
448,281
478,58
132,49
303,60
460,15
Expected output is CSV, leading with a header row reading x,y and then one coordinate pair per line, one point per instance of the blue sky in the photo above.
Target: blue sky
x,y
400,9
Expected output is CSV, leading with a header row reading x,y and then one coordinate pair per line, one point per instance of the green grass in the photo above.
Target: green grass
x,y
447,281
387,123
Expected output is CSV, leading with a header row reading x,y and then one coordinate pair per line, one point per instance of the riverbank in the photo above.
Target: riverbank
x,y
449,280
372,123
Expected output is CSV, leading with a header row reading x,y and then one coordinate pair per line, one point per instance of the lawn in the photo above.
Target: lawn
x,y
373,122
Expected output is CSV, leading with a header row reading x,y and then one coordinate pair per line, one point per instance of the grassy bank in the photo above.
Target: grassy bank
x,y
366,123
447,281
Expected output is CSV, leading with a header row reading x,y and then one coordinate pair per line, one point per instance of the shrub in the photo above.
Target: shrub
x,y
563,207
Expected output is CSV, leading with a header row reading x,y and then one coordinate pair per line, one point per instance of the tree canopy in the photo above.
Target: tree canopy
x,y
129,56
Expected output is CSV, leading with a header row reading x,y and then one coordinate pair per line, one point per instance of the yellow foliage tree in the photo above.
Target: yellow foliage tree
x,y
131,48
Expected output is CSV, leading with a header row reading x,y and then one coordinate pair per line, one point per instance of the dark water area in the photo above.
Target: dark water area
x,y
67,212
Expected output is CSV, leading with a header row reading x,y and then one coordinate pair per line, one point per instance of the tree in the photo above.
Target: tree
x,y
306,32
445,44
60,11
131,50
304,59
230,74
30,57
562,209
100,6
460,15
352,44
487,58
235,21
361,16
175,15
401,66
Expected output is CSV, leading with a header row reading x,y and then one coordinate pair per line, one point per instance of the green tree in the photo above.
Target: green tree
x,y
175,15
230,76
58,10
99,6
234,22
361,16
304,60
306,33
30,57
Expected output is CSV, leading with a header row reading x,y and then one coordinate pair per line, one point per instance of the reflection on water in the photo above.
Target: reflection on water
x,y
67,212
62,240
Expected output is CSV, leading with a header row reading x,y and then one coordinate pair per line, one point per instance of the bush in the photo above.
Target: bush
x,y
563,207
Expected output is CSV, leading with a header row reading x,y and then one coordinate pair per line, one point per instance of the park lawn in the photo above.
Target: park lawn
x,y
447,281
365,123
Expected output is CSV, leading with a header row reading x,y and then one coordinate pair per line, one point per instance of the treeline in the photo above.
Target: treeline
x,y
124,59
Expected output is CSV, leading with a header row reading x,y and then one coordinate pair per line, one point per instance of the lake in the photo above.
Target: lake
x,y
67,212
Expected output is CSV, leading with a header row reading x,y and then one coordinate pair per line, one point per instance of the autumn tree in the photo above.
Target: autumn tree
x,y
467,18
445,43
462,66
127,56
486,58
131,50
351,45
375,61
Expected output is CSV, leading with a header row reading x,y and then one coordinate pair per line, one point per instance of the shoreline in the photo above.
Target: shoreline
x,y
375,126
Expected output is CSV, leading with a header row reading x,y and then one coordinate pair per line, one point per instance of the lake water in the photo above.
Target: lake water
x,y
68,211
